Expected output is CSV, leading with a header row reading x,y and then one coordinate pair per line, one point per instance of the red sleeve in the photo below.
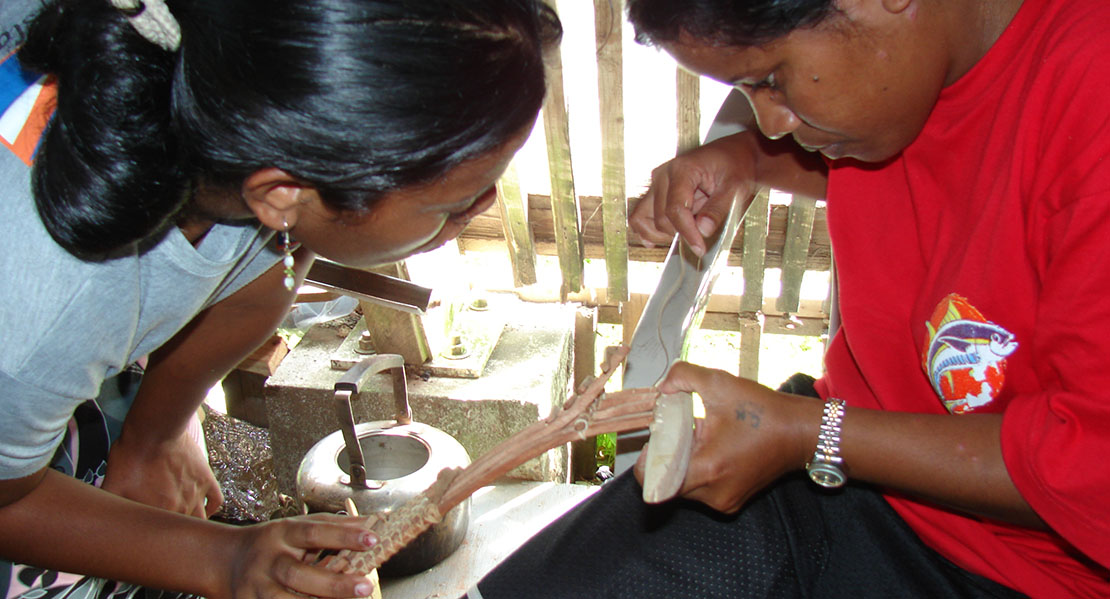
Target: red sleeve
x,y
1056,443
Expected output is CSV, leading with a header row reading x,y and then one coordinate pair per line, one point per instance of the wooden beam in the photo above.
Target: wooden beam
x,y
614,203
485,234
772,324
514,225
724,308
265,359
564,203
799,230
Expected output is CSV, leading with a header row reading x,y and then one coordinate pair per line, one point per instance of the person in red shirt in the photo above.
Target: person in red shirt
x,y
963,148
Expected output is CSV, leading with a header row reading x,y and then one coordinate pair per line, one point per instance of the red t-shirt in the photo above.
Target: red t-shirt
x,y
974,274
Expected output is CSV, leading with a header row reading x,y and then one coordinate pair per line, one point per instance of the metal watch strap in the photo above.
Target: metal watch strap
x,y
825,467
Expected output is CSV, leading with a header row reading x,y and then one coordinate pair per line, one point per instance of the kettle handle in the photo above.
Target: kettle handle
x,y
347,388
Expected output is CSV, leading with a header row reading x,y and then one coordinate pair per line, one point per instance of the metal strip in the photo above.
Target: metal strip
x,y
383,290
678,304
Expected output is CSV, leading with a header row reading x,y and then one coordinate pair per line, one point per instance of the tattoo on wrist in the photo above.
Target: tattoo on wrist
x,y
750,416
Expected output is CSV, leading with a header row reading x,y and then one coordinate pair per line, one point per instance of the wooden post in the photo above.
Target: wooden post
x,y
243,387
755,251
583,453
630,315
564,202
614,203
514,223
799,229
751,329
688,110
751,303
393,331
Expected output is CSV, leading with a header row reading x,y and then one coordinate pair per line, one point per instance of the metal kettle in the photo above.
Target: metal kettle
x,y
382,465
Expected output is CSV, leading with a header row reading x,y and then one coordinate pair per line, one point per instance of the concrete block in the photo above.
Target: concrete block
x,y
526,377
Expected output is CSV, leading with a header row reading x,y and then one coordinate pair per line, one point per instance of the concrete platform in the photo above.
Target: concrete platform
x,y
502,518
526,377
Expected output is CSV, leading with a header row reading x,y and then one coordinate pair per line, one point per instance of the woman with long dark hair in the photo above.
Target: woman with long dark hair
x,y
170,170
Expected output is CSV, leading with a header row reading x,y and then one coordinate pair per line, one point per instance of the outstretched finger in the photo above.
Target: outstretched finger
x,y
329,531
316,581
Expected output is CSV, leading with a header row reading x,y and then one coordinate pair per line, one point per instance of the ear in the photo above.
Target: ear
x,y
276,197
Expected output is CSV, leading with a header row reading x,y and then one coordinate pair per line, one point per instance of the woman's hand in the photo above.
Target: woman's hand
x,y
278,559
173,475
693,193
750,435
153,462
116,539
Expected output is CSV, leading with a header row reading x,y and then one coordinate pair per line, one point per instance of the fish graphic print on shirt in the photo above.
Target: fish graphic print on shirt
x,y
964,355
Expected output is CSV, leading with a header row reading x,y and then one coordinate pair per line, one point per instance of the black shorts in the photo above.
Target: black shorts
x,y
794,540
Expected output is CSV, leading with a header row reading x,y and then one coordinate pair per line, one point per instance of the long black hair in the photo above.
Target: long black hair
x,y
354,97
724,22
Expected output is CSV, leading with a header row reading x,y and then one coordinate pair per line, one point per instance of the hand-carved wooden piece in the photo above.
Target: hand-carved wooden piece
x,y
668,453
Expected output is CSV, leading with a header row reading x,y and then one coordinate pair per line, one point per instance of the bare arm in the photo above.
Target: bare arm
x,y
752,435
54,521
152,462
692,194
953,461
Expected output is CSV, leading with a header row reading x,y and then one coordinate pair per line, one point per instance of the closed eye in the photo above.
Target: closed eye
x,y
480,205
770,82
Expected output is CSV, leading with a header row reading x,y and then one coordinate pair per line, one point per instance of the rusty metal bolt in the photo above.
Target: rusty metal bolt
x,y
458,349
365,343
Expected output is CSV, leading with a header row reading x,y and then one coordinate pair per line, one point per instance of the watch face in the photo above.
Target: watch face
x,y
826,475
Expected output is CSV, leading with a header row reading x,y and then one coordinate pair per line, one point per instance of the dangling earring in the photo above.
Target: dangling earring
x,y
286,246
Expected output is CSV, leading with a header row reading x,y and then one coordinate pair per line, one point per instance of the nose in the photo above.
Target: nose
x,y
775,119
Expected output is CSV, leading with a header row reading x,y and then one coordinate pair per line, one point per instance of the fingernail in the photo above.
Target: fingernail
x,y
363,589
700,251
368,540
647,244
706,226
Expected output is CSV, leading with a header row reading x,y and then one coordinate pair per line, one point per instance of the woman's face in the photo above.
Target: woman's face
x,y
409,220
860,84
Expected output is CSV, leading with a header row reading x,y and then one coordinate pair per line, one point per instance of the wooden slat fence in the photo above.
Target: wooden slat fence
x,y
790,237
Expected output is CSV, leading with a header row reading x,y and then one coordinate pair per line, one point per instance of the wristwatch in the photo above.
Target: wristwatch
x,y
825,466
